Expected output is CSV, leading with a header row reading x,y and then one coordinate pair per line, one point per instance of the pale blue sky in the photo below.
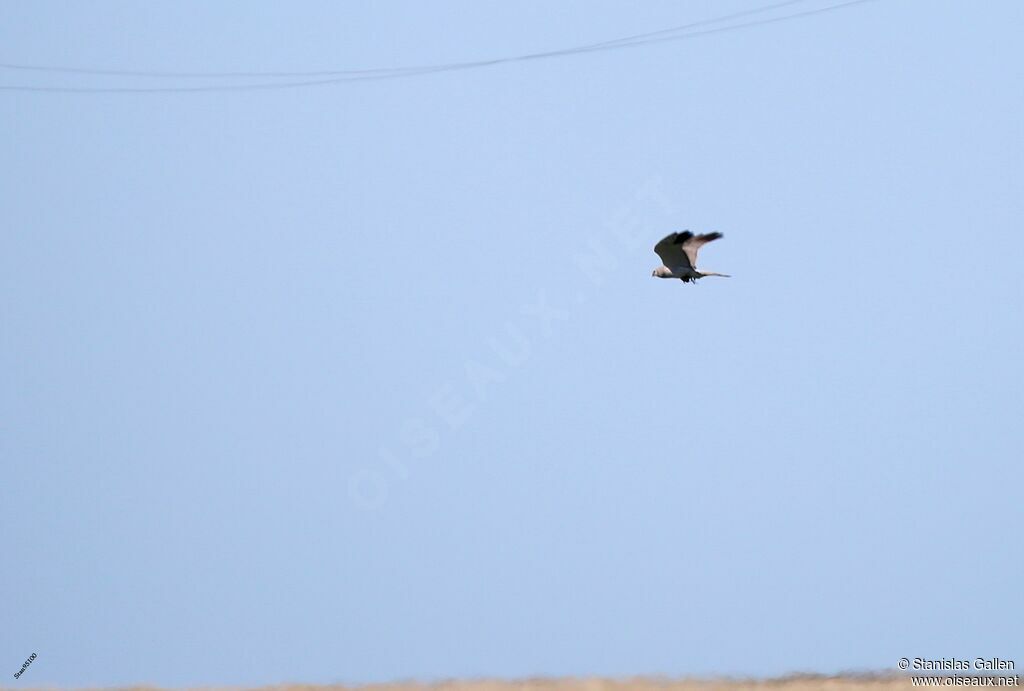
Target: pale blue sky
x,y
237,329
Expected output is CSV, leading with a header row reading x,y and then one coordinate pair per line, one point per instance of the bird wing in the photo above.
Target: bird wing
x,y
671,250
693,243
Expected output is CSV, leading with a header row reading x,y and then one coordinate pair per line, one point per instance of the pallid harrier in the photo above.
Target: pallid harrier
x,y
679,253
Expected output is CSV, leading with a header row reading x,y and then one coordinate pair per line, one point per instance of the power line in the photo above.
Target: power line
x,y
341,76
382,70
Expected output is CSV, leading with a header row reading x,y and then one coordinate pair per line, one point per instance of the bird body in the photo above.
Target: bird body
x,y
678,251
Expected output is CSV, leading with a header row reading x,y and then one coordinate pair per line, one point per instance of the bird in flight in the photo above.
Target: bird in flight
x,y
678,251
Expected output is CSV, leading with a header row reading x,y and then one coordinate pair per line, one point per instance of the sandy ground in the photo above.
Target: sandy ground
x,y
793,683
866,682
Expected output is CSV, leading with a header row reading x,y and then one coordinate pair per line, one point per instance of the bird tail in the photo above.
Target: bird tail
x,y
714,273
